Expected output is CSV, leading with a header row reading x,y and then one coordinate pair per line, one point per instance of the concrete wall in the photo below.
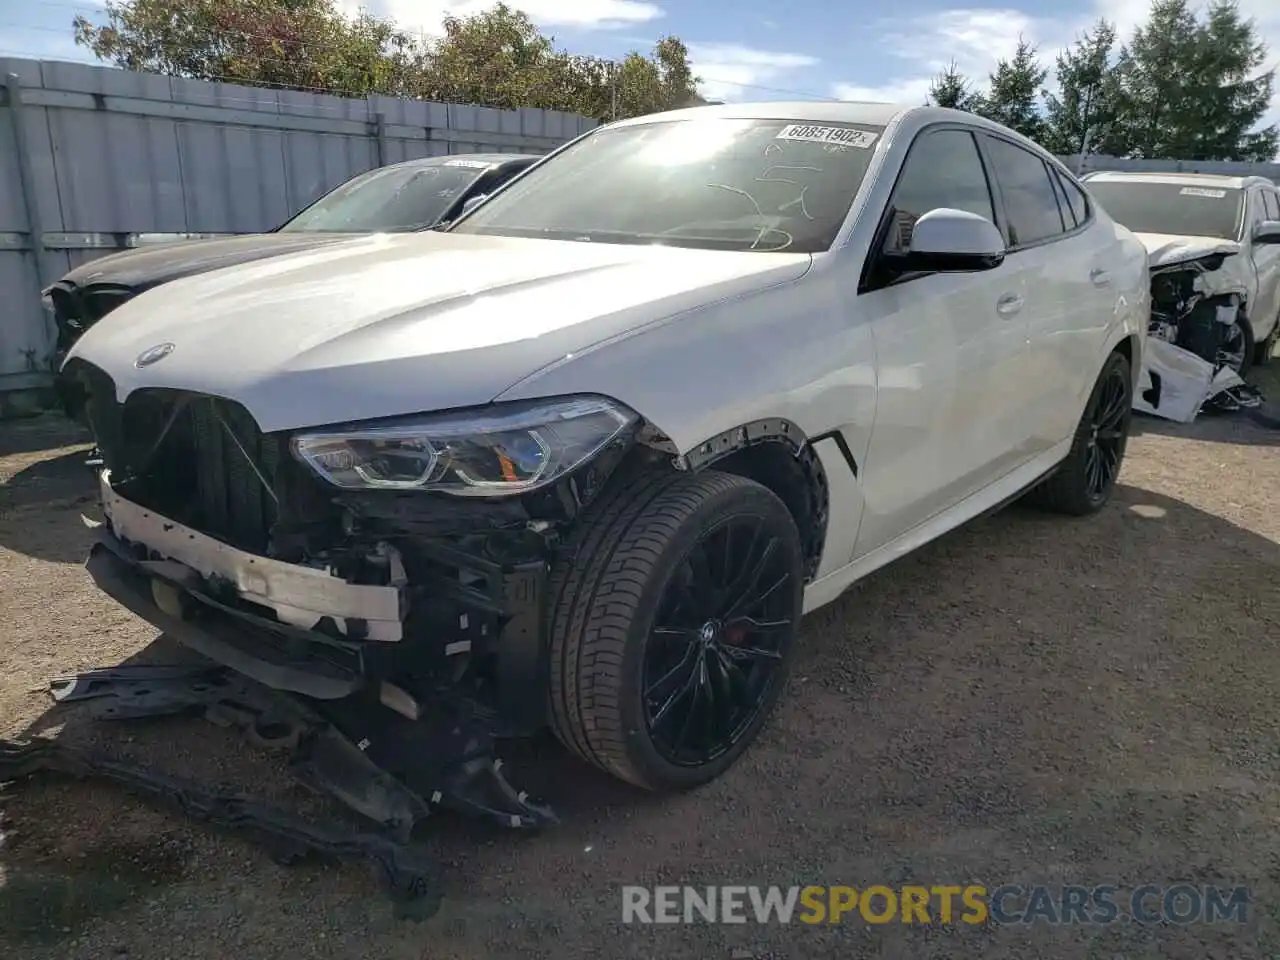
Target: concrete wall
x,y
94,160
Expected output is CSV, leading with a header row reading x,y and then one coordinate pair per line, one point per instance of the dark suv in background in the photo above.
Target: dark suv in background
x,y
411,195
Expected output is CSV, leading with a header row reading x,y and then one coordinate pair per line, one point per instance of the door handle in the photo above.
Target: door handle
x,y
1100,277
1009,304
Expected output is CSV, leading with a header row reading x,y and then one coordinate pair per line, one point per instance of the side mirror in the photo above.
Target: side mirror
x,y
470,202
953,241
1268,231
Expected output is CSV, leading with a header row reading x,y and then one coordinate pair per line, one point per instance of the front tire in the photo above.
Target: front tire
x,y
1084,481
674,614
1264,351
1238,351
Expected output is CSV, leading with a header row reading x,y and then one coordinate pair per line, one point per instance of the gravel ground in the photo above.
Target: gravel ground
x,y
1028,700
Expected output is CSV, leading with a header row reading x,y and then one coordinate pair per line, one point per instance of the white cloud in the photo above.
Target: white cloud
x,y
976,38
973,39
913,90
427,15
730,71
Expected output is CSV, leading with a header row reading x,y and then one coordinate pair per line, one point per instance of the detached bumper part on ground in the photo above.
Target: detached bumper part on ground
x,y
320,756
1176,384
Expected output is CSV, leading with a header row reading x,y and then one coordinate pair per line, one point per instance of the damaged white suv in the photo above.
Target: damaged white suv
x,y
584,459
1214,244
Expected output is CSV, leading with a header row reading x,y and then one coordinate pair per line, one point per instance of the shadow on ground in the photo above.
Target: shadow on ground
x,y
1027,700
41,508
44,487
45,432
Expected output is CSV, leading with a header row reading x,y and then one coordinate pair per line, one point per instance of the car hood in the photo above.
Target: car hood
x,y
388,325
1165,249
153,264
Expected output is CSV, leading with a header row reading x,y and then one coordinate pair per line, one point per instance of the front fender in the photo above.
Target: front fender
x,y
786,353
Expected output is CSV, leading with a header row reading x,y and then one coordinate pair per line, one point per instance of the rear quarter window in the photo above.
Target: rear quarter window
x,y
1031,203
1076,200
1271,201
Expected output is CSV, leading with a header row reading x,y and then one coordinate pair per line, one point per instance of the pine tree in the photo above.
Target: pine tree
x,y
1192,90
1013,97
1079,114
950,88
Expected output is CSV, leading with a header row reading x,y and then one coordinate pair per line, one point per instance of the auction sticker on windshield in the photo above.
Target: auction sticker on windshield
x,y
1203,192
836,136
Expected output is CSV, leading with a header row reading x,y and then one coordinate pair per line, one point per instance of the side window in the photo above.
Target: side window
x,y
1272,201
496,179
1077,202
943,169
1030,201
1059,191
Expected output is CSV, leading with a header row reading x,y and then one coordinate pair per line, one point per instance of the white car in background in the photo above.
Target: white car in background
x,y
586,457
1214,242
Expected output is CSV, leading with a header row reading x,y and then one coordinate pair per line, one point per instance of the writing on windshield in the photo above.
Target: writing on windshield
x,y
726,184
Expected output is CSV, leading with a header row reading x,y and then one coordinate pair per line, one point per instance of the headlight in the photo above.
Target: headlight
x,y
507,449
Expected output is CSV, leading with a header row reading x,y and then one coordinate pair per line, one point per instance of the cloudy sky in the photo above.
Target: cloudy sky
x,y
745,49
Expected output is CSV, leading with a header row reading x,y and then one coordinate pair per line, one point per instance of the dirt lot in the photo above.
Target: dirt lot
x,y
1027,701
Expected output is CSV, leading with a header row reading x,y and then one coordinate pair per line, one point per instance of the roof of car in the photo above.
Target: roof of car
x,y
832,111
1178,179
912,117
493,159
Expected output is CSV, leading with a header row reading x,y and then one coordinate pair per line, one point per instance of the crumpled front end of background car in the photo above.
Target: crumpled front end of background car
x,y
1196,299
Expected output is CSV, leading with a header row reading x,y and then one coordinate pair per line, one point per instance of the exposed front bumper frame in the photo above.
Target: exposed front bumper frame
x,y
299,596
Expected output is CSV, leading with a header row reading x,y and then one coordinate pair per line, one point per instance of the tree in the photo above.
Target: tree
x,y
950,88
496,58
1232,96
1081,111
301,44
1193,90
1013,97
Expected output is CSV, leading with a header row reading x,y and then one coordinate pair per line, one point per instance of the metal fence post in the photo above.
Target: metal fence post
x,y
380,131
27,182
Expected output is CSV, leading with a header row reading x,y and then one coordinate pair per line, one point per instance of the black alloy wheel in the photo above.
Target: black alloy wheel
x,y
1083,482
719,637
673,614
1108,418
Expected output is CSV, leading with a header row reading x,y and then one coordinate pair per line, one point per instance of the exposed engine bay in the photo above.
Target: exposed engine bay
x,y
1195,345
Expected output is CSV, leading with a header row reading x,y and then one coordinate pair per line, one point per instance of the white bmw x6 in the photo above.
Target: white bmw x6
x,y
583,459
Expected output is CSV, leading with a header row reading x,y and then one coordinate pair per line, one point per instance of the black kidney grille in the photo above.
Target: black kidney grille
x,y
234,503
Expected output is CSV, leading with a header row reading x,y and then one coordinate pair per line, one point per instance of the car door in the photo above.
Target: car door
x,y
1063,265
949,350
1266,260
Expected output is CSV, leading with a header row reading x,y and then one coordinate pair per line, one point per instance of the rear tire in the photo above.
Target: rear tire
x,y
1077,487
650,624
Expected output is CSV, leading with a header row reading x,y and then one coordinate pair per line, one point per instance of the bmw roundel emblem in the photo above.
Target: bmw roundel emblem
x,y
153,355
